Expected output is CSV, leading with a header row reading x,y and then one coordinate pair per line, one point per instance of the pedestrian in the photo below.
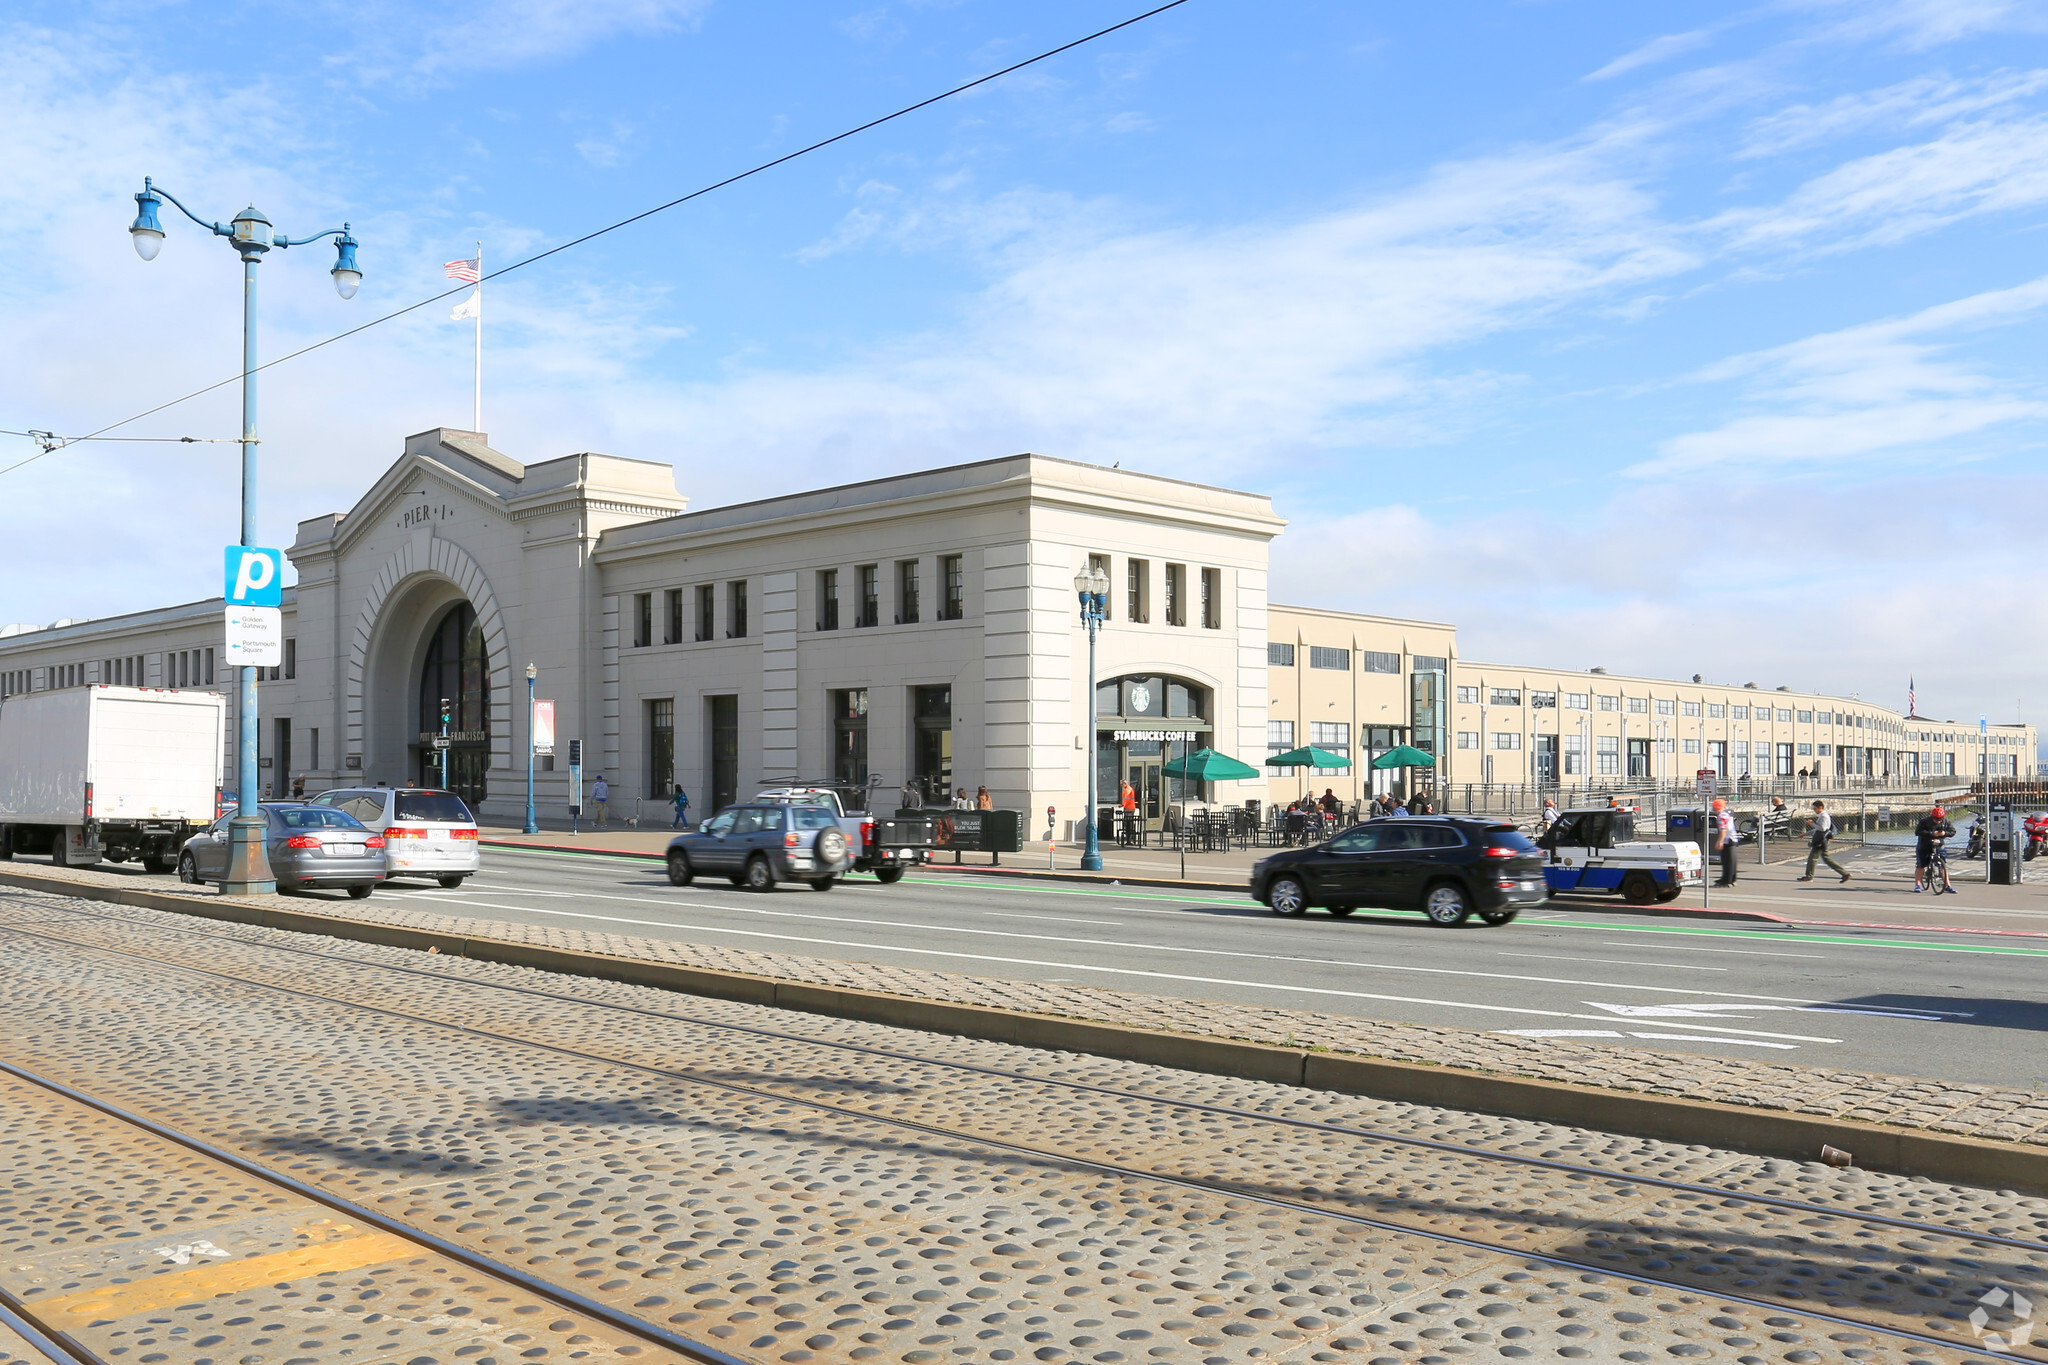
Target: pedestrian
x,y
1420,803
982,800
1398,809
912,794
1550,815
299,788
1329,802
1724,835
600,797
681,801
960,801
1930,833
1818,837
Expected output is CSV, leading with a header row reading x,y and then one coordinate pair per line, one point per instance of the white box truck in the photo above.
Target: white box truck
x,y
114,772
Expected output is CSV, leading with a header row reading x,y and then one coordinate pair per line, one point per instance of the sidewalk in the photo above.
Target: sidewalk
x,y
1878,895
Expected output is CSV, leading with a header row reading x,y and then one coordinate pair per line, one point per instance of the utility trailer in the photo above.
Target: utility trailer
x,y
115,772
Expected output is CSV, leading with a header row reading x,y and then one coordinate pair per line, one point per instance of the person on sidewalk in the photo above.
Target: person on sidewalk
x,y
1932,831
600,798
982,800
681,801
1550,813
1819,837
1725,841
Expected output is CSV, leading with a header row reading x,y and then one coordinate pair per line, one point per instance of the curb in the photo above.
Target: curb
x,y
1762,1132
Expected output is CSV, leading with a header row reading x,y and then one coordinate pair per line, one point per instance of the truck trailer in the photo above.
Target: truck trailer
x,y
115,772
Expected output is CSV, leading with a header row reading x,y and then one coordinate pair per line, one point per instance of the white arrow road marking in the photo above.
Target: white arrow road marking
x,y
183,1252
1706,1010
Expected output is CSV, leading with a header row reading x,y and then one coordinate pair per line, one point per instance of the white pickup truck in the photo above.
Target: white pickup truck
x,y
1596,850
113,772
881,845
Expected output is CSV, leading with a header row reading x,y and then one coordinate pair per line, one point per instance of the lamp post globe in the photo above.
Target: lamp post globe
x,y
252,235
1091,586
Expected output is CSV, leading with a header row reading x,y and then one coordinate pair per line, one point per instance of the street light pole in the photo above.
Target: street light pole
x,y
1091,585
248,869
531,826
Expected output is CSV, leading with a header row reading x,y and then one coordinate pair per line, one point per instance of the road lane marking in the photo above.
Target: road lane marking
x,y
1746,952
201,1282
1615,962
1054,919
1797,934
1732,1042
1081,966
869,922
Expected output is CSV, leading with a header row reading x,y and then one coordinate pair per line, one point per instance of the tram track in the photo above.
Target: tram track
x,y
1974,1242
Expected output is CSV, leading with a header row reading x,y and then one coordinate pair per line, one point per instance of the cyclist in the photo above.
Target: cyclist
x,y
1930,860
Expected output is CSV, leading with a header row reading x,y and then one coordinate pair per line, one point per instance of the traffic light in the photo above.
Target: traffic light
x,y
444,713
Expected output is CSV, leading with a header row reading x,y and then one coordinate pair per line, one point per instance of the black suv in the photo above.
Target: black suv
x,y
1446,866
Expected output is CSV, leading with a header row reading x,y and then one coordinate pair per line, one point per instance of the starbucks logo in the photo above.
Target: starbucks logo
x,y
1141,699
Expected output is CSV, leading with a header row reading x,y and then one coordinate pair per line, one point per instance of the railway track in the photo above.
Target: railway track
x,y
1693,1242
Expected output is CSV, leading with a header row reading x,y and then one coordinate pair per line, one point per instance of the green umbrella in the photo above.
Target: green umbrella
x,y
1206,765
1308,757
1404,756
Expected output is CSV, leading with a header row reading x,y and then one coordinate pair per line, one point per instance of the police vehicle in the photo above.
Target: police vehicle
x,y
1595,850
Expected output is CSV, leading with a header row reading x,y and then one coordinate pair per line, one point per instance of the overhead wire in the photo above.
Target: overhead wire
x,y
98,434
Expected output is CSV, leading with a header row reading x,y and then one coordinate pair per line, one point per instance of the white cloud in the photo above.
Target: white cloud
x,y
1652,52
1920,24
1881,386
390,39
1918,102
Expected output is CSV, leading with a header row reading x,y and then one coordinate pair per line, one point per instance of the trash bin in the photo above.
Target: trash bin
x,y
1002,831
1688,825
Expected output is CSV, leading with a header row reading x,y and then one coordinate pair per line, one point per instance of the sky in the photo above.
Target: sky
x,y
1672,339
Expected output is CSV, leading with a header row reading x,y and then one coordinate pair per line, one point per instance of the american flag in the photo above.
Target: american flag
x,y
1912,699
465,271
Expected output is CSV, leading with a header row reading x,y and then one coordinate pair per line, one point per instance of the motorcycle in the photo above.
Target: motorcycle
x,y
1974,851
2037,834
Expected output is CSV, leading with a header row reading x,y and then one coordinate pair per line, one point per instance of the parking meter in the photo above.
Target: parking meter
x,y
2005,846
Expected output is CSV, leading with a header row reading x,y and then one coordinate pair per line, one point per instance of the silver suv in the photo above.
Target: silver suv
x,y
427,833
756,846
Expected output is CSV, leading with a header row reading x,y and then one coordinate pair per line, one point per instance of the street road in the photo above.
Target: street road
x,y
1952,1007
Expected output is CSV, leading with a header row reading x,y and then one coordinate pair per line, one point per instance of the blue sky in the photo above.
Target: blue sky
x,y
1675,338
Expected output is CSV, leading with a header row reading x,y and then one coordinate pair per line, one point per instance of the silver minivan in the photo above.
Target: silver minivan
x,y
427,832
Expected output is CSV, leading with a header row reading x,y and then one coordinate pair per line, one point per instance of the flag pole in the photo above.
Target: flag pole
x,y
476,405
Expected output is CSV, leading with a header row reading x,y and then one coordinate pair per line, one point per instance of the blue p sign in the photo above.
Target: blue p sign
x,y
255,578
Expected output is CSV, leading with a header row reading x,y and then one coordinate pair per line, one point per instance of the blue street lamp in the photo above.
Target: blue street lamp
x,y
532,826
248,871
1091,585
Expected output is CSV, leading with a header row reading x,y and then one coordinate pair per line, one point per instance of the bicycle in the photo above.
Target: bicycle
x,y
1937,870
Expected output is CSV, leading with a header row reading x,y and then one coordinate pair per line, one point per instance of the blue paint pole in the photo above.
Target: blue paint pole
x,y
248,870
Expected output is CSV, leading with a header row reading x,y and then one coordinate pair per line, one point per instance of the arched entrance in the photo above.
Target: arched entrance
x,y
455,680
1142,722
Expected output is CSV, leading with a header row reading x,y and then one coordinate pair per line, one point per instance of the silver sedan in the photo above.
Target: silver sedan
x,y
308,847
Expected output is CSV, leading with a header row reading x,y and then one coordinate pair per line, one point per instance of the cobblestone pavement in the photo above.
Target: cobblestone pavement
x,y
772,1199
132,1246
15,1351
1940,1106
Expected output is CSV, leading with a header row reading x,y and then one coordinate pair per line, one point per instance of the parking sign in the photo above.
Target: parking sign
x,y
255,577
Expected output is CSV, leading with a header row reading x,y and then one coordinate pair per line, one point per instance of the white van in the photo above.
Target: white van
x,y
427,832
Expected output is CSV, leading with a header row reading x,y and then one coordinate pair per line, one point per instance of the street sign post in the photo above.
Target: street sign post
x,y
253,589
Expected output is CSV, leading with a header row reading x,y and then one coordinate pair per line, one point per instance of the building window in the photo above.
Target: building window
x,y
1578,701
1610,703
722,743
870,595
1176,594
1692,746
931,741
1574,755
736,609
291,656
707,606
672,617
1806,717
1279,655
1378,661
643,619
1212,599
1666,707
1468,739
661,748
1639,706
1785,714
1738,712
1784,760
209,668
1507,739
313,749
1138,594
1608,752
906,592
1432,663
1321,656
1468,696
1690,708
850,734
1716,711
1543,701
1806,750
1332,737
1100,563
953,583
1824,717
1279,738
1504,696
828,599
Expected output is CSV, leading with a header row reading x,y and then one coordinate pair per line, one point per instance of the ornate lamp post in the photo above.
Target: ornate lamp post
x,y
248,870
1091,585
532,827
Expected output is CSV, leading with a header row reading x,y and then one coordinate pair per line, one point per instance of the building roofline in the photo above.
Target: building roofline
x,y
1272,607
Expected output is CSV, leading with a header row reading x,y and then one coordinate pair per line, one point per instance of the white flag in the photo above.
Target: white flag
x,y
471,307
